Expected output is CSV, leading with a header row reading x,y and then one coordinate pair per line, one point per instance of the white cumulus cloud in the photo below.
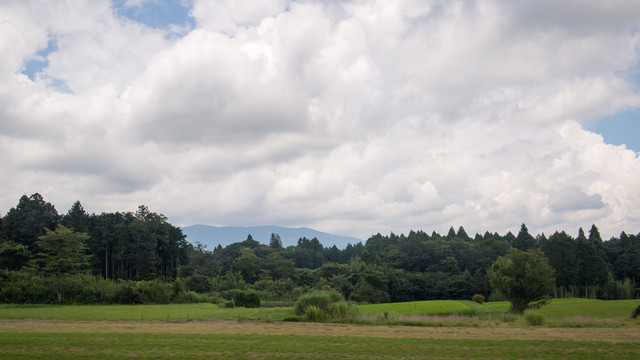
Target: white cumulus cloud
x,y
353,117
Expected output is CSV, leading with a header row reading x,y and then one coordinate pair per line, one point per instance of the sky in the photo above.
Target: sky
x,y
351,117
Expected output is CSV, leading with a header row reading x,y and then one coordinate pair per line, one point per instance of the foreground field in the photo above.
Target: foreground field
x,y
465,330
229,339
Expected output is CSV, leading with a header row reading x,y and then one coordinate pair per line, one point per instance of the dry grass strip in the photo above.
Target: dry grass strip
x,y
618,335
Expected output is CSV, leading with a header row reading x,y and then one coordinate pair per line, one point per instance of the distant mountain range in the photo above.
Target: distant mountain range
x,y
212,236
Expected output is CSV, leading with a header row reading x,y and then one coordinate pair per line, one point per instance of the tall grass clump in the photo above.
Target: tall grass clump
x,y
534,319
323,305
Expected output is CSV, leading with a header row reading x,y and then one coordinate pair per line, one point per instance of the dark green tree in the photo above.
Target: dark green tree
x,y
461,234
13,256
248,265
592,269
275,242
560,250
524,277
524,240
28,220
76,219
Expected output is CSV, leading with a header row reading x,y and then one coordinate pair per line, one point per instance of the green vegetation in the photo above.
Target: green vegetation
x,y
561,313
434,307
198,340
589,307
524,277
173,312
246,298
324,306
478,299
534,319
140,258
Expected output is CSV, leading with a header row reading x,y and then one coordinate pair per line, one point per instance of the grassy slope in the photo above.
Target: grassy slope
x,y
432,307
589,307
556,309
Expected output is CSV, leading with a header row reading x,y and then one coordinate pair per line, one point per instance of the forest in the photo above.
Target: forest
x,y
139,257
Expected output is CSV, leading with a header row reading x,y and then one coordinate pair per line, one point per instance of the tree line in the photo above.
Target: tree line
x,y
133,257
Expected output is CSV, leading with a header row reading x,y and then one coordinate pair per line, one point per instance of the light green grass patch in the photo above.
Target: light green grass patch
x,y
497,306
174,312
431,307
589,307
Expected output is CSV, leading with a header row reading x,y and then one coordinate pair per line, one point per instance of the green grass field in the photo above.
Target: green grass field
x,y
228,339
557,308
589,307
116,331
433,307
173,312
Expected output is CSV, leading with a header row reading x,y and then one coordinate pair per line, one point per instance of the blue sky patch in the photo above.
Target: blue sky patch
x,y
157,14
620,128
39,62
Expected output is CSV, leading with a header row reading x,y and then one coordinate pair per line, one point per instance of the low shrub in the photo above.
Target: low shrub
x,y
534,319
246,298
478,298
635,313
155,292
323,306
191,297
127,293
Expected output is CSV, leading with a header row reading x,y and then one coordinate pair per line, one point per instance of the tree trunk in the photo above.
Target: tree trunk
x,y
106,262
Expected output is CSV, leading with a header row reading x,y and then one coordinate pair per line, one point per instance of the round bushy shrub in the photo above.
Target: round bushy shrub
x,y
478,298
198,283
246,298
635,313
128,294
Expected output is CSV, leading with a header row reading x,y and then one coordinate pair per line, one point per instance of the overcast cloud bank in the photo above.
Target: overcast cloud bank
x,y
351,117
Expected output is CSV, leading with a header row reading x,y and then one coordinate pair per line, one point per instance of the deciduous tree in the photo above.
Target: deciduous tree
x,y
523,277
63,253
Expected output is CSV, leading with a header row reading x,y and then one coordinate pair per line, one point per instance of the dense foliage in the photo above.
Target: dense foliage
x,y
139,257
523,277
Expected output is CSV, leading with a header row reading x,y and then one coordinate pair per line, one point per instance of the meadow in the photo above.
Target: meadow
x,y
207,331
171,312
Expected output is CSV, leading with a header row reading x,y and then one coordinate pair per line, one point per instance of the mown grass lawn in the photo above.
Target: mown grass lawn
x,y
228,339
